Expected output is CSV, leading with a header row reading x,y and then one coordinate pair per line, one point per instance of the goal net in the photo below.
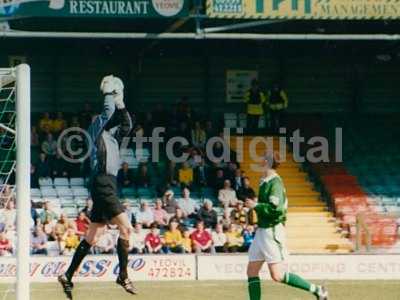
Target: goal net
x,y
7,136
15,163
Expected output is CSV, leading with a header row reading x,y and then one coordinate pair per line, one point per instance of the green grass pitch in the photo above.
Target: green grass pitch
x,y
210,290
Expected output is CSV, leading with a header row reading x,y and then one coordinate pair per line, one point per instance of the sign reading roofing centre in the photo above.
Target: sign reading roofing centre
x,y
10,9
304,9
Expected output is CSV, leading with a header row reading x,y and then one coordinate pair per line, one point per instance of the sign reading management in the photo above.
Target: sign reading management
x,y
304,9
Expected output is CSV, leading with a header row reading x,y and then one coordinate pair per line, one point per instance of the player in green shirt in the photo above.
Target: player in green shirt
x,y
269,244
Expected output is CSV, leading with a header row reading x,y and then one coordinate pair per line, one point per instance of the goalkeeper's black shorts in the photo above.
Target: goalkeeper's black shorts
x,y
106,204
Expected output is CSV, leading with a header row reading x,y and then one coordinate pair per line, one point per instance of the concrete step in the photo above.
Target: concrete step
x,y
306,209
321,243
324,215
302,192
314,217
319,251
301,231
294,203
312,224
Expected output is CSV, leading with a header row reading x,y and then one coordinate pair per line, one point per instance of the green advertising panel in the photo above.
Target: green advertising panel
x,y
11,9
304,9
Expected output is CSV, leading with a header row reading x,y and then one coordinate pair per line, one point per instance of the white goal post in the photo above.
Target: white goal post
x,y
20,77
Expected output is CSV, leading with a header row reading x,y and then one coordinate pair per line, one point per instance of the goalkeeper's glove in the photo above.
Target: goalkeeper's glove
x,y
119,93
111,85
107,85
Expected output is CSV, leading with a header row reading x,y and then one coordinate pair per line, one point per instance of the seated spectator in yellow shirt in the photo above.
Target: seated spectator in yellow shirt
x,y
45,123
187,241
173,238
239,214
71,241
60,230
185,174
58,124
234,238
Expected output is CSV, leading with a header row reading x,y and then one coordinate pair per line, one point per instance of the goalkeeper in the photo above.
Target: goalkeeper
x,y
269,242
106,132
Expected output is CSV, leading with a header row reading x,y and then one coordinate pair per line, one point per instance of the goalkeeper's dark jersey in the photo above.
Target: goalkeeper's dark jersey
x,y
272,204
107,132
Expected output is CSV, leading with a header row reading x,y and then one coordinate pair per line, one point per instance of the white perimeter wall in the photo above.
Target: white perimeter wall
x,y
221,267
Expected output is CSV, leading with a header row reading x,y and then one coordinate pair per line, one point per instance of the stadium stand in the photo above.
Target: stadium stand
x,y
324,199
364,189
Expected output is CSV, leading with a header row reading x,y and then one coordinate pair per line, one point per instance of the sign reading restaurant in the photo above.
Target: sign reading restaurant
x,y
108,7
93,8
304,9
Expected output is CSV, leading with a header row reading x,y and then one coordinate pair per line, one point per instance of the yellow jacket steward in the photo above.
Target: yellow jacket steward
x,y
255,102
278,100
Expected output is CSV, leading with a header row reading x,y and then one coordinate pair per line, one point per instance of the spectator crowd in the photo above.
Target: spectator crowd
x,y
198,206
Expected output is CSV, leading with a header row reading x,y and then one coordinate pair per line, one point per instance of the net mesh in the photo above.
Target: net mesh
x,y
7,136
